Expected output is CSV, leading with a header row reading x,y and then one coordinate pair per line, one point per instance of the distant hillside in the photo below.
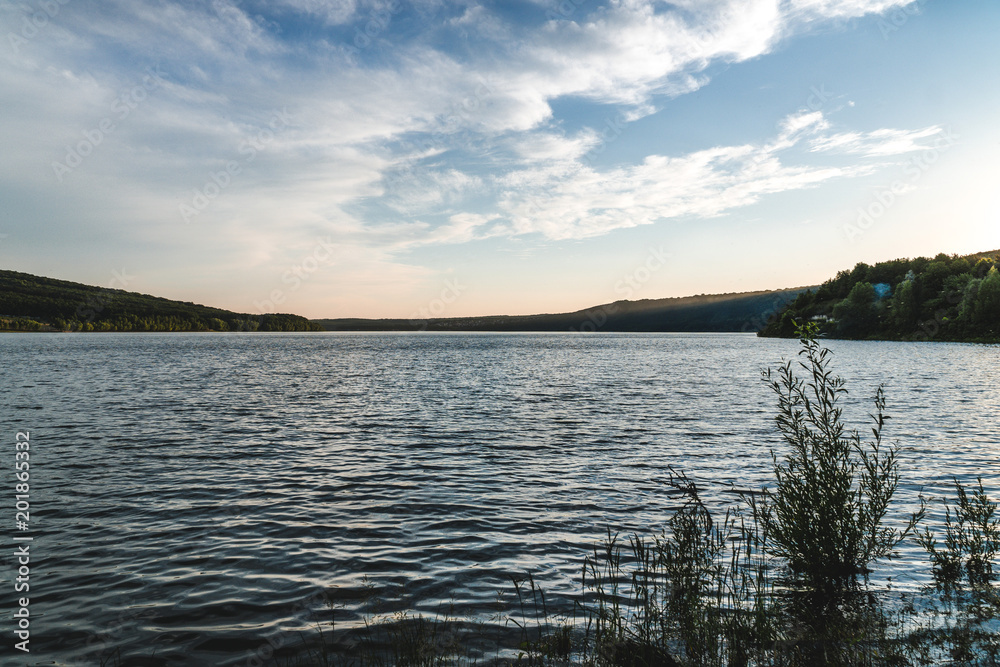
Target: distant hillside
x,y
32,303
747,312
950,297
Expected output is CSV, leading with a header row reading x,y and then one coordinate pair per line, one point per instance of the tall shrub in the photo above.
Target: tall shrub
x,y
825,514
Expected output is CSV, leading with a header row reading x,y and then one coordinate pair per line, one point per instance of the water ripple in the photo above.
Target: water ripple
x,y
194,496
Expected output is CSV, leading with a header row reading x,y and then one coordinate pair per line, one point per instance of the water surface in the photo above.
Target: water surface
x,y
193,493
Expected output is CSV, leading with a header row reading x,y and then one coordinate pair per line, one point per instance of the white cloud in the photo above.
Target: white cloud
x,y
405,103
333,12
571,200
412,193
844,8
461,228
879,143
548,146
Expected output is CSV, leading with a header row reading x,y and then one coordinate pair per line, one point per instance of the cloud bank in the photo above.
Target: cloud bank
x,y
390,124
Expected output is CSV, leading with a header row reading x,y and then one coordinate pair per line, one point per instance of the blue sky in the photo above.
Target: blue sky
x,y
382,158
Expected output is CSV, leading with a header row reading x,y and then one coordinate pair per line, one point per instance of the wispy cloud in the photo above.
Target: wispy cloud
x,y
334,12
878,143
575,200
842,8
442,134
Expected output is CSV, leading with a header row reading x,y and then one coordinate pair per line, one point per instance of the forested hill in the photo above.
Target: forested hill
x,y
949,297
746,312
33,303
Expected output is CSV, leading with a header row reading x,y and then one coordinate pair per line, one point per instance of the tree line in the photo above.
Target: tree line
x,y
949,297
33,303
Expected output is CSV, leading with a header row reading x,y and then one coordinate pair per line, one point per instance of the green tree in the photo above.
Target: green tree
x,y
982,267
856,315
905,308
960,265
987,308
860,273
934,275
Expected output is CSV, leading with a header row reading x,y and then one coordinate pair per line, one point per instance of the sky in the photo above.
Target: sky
x,y
397,158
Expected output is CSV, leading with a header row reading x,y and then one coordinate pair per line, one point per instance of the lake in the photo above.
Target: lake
x,y
192,494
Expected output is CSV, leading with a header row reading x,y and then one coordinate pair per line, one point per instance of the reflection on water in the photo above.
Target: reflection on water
x,y
192,494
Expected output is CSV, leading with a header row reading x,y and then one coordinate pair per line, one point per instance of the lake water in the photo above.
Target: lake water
x,y
192,494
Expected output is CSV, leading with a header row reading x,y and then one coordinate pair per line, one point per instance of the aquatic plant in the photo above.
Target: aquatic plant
x,y
971,540
964,606
825,516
